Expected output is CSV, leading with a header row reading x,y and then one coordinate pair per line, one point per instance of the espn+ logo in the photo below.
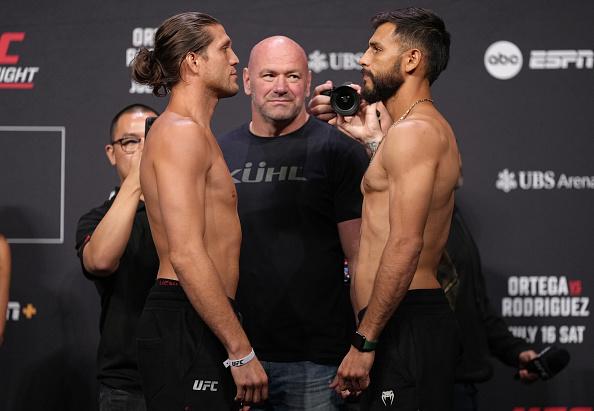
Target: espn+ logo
x,y
504,60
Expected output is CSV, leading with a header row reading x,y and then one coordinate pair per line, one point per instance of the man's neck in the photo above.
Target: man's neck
x,y
406,95
194,101
263,128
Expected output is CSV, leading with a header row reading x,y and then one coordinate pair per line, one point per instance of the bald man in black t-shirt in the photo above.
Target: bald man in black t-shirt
x,y
297,180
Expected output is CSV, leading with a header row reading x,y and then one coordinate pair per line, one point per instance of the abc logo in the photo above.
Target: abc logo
x,y
503,60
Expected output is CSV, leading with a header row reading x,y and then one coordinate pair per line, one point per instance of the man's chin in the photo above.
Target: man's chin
x,y
370,95
280,115
230,92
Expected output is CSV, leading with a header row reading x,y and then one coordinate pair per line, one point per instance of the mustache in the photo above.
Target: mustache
x,y
365,72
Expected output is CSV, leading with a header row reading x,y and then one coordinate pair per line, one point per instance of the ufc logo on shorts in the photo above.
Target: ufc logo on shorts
x,y
5,40
205,385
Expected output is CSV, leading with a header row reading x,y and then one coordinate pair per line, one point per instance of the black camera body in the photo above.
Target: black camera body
x,y
344,99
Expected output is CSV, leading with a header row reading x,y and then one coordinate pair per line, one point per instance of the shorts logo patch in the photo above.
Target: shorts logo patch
x,y
387,396
204,385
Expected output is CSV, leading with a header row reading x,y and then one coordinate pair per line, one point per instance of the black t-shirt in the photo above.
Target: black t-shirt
x,y
293,190
122,297
482,330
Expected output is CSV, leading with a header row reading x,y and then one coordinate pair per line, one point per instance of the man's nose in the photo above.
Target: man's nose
x,y
234,59
363,61
280,85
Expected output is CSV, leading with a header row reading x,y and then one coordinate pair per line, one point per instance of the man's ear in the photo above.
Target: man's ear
x,y
412,60
110,154
246,82
193,62
308,81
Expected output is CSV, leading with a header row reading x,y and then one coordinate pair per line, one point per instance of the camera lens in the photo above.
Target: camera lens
x,y
345,100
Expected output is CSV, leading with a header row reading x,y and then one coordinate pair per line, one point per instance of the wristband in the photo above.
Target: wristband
x,y
241,361
361,343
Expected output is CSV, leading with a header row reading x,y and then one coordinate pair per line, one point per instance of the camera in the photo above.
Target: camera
x,y
343,99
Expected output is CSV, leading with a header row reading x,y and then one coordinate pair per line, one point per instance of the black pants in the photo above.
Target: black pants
x,y
113,399
416,356
179,358
465,397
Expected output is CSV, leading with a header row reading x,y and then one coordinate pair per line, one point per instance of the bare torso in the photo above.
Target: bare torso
x,y
375,227
222,232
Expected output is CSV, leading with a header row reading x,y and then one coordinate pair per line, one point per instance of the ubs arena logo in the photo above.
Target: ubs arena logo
x,y
336,61
12,75
541,180
504,60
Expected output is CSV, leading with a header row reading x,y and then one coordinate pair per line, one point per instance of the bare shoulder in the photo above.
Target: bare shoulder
x,y
413,140
180,137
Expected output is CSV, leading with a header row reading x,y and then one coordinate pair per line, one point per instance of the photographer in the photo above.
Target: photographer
x,y
117,253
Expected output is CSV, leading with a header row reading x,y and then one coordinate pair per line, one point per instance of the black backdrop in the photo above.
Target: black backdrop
x,y
518,92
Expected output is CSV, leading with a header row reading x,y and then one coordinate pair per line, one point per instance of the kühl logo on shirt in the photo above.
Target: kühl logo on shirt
x,y
264,174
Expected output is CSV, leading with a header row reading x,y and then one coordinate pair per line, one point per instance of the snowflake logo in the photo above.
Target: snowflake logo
x,y
506,181
318,61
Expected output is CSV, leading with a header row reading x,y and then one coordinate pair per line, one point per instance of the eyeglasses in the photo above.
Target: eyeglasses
x,y
129,144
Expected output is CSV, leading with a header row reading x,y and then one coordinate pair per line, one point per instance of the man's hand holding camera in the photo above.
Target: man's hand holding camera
x,y
366,126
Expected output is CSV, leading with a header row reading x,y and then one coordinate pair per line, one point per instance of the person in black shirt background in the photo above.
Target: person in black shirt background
x,y
297,180
116,250
482,331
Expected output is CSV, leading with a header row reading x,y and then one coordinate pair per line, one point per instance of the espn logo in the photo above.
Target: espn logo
x,y
561,59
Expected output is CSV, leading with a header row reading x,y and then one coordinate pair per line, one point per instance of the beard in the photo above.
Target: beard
x,y
383,85
228,90
222,85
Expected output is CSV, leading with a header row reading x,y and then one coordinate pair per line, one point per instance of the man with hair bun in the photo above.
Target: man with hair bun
x,y
193,352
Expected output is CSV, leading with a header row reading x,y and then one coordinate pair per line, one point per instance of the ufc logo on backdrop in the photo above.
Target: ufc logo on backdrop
x,y
5,41
13,76
205,385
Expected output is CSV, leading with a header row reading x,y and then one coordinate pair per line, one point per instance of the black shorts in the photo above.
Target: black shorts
x,y
179,358
416,356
